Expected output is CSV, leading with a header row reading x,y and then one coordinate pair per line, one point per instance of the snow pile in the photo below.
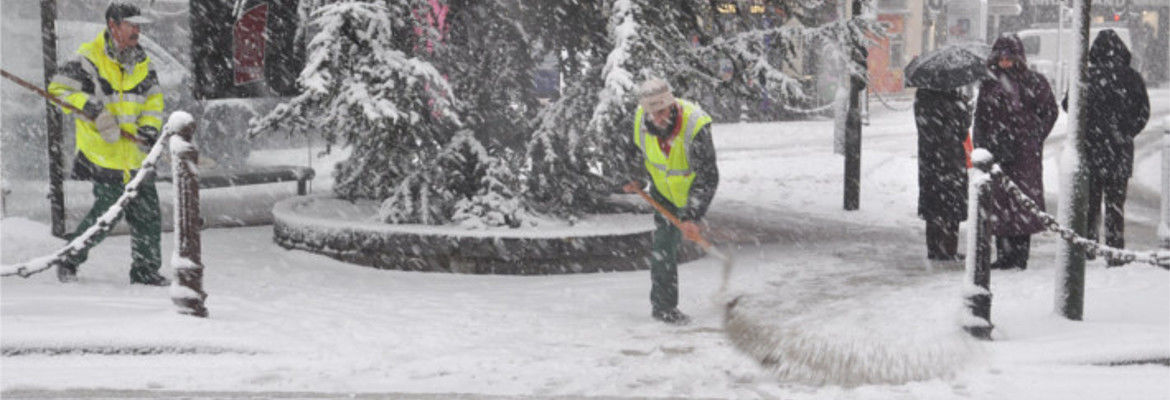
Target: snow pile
x,y
22,239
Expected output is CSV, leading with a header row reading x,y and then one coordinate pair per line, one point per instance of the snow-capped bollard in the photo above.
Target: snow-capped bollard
x,y
977,285
187,288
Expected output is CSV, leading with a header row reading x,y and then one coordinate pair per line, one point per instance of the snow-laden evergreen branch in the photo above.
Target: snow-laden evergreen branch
x,y
463,184
354,77
616,75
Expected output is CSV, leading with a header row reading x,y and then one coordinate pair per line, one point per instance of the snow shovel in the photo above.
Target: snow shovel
x,y
707,246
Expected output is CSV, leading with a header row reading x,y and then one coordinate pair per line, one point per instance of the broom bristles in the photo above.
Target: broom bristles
x,y
846,356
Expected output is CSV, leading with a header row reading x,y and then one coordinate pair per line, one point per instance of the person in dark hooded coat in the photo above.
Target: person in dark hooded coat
x,y
1014,114
1117,108
942,118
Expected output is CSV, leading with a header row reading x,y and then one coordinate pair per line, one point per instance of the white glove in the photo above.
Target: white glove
x,y
107,126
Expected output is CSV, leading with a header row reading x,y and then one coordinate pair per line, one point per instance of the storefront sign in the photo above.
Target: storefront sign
x,y
248,45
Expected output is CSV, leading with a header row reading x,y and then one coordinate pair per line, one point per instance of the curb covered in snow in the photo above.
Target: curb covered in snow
x,y
347,231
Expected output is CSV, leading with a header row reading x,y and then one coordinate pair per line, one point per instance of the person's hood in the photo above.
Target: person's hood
x,y
1010,46
1108,49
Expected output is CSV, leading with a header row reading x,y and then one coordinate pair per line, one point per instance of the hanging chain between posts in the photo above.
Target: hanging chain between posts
x,y
1157,258
103,225
888,105
816,110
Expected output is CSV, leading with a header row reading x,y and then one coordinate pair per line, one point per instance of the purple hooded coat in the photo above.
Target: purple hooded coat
x,y
1014,114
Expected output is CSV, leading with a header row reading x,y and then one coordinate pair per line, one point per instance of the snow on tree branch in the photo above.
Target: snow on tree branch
x,y
355,76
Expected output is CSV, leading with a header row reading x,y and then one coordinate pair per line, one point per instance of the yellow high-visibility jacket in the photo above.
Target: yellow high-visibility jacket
x,y
93,82
672,174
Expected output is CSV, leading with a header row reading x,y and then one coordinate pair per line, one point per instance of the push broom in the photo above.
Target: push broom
x,y
697,238
794,351
25,84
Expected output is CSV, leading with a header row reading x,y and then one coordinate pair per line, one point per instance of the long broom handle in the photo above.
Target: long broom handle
x,y
25,84
697,238
674,220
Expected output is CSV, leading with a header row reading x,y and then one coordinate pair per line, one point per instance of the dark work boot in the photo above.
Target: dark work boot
x,y
672,316
66,272
147,277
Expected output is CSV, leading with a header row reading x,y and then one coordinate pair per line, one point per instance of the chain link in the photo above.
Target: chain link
x,y
103,225
1157,258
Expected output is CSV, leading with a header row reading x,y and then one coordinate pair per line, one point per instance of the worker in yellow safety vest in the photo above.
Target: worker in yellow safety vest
x,y
111,81
674,137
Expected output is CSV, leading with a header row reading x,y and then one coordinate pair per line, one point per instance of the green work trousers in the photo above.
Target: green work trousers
x,y
145,224
664,262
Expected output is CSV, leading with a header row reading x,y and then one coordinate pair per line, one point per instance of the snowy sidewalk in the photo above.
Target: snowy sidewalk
x,y
287,323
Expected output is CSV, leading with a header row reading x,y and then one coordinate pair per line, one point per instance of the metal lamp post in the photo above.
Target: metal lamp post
x,y
1164,227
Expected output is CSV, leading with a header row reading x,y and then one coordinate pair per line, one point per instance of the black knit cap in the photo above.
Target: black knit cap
x,y
120,11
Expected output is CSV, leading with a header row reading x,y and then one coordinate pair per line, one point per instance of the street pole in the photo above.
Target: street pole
x,y
858,56
1164,227
1070,277
53,120
1060,80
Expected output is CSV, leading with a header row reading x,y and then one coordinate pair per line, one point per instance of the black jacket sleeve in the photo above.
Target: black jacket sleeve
x,y
1139,104
701,157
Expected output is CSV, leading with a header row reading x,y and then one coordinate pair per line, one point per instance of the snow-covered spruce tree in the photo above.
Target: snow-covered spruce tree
x,y
564,179
487,57
581,150
767,55
363,87
383,78
463,184
483,186
471,181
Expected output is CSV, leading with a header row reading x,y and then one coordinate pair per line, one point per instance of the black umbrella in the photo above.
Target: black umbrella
x,y
947,67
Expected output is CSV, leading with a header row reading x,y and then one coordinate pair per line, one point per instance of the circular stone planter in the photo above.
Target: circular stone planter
x,y
348,231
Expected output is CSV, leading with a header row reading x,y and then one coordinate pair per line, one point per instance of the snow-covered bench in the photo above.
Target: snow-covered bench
x,y
256,175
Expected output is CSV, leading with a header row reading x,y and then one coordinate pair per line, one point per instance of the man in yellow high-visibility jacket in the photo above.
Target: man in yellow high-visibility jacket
x,y
674,138
111,81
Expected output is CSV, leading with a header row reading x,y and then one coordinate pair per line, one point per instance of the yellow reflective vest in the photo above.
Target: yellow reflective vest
x,y
133,96
672,175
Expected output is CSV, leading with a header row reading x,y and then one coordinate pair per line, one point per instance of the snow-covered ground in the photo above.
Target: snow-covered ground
x,y
287,321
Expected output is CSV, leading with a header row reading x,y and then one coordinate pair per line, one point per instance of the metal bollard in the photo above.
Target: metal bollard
x,y
187,289
977,285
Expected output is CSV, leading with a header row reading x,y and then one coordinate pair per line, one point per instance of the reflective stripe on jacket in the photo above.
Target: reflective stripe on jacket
x,y
96,82
672,175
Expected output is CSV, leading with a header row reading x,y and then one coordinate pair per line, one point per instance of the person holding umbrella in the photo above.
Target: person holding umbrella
x,y
942,116
1013,116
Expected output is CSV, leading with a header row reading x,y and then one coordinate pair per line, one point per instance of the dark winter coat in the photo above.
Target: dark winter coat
x,y
1117,107
942,117
1015,112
